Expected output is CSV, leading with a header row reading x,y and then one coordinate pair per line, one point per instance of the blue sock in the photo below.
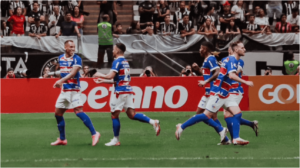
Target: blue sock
x,y
235,127
61,126
116,126
87,121
246,122
229,125
238,116
218,122
198,118
215,125
141,117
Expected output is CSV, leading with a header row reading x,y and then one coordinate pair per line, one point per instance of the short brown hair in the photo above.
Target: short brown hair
x,y
69,41
234,44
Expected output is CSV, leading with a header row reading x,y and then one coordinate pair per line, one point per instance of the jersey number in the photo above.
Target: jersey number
x,y
127,74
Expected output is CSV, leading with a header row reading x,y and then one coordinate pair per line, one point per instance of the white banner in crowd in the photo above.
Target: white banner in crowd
x,y
89,43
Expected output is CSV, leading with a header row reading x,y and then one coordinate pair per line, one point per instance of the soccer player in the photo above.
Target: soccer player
x,y
219,96
236,92
210,72
69,97
123,97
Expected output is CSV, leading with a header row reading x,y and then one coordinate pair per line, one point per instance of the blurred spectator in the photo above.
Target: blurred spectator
x,y
256,11
208,30
263,22
35,13
29,5
283,26
72,3
18,22
106,7
55,21
187,71
239,14
146,10
274,7
14,5
10,73
119,30
86,73
149,28
178,17
195,6
291,64
259,4
52,4
186,28
38,29
232,30
288,7
68,27
197,69
78,18
211,15
105,41
167,28
163,10
252,28
298,70
225,17
294,18
5,31
268,71
148,72
45,73
5,7
135,28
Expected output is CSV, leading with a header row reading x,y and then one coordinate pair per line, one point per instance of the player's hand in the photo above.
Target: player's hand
x,y
220,63
99,80
249,83
57,84
202,83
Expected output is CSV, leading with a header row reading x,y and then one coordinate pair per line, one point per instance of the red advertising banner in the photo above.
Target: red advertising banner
x,y
151,94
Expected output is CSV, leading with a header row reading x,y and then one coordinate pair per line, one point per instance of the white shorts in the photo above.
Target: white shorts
x,y
215,103
69,100
121,101
237,97
203,102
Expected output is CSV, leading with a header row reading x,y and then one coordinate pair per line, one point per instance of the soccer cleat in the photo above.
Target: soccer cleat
x,y
255,127
59,142
156,127
240,141
225,143
95,138
113,142
178,131
223,133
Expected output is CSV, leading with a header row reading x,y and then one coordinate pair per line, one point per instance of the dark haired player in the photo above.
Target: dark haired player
x,y
210,70
123,97
69,98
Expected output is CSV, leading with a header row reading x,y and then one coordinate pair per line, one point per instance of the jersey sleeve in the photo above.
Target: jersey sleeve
x,y
115,66
212,63
77,61
232,65
241,64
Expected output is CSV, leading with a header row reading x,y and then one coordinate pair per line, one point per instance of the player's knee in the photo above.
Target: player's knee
x,y
130,113
199,110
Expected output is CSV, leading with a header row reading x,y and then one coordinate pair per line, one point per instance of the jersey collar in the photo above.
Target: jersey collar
x,y
120,57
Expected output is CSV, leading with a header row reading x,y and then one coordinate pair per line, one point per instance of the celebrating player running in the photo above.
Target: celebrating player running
x,y
123,97
69,97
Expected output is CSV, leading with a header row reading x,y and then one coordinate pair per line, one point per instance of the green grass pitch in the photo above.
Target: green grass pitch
x,y
25,142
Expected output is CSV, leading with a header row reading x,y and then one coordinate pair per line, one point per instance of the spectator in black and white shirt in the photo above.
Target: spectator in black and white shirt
x,y
55,21
38,29
50,9
186,28
5,31
225,17
35,14
252,28
163,10
41,8
211,15
288,7
294,18
178,17
146,10
14,4
166,27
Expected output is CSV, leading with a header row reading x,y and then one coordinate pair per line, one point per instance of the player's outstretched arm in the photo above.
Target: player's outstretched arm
x,y
73,72
213,77
108,76
233,76
101,80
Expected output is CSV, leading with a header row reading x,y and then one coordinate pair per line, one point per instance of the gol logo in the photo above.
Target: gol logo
x,y
277,94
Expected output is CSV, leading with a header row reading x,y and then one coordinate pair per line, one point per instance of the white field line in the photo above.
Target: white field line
x,y
171,158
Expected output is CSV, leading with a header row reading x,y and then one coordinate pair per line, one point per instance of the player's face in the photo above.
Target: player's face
x,y
202,50
70,48
115,51
241,49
